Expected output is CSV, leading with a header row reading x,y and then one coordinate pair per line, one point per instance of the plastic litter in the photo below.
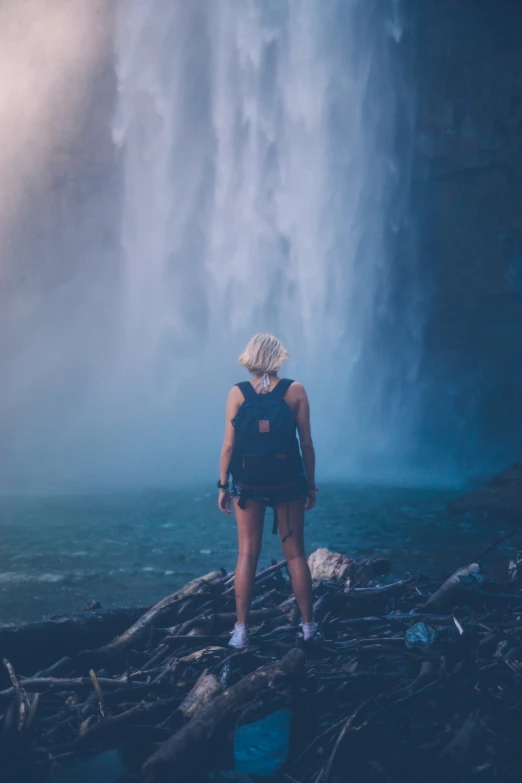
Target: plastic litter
x,y
420,635
460,629
261,748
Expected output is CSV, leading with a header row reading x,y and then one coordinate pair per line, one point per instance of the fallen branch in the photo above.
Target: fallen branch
x,y
157,613
183,751
442,598
184,687
205,689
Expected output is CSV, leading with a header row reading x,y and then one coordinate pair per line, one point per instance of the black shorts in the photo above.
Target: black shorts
x,y
276,497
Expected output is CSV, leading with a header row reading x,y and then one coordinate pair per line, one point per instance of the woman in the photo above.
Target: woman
x,y
268,468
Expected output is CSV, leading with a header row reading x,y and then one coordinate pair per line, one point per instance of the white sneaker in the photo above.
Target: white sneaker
x,y
311,631
239,637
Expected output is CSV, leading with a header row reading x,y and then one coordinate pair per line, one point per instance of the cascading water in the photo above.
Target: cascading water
x,y
265,190
264,150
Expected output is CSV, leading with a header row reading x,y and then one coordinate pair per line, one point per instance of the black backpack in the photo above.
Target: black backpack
x,y
266,451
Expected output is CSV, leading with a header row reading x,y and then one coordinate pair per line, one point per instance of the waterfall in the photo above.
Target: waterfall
x,y
259,181
265,189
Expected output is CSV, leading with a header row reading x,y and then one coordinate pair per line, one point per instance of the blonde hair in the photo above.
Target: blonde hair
x,y
263,354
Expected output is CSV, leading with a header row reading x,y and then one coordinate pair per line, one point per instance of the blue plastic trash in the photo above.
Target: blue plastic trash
x,y
261,748
419,635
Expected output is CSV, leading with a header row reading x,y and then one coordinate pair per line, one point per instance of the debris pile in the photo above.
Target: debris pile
x,y
412,680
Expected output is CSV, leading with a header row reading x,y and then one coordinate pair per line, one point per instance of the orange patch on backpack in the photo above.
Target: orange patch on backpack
x,y
264,425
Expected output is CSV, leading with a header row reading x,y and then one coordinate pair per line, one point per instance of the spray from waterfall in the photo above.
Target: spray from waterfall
x,y
258,182
266,189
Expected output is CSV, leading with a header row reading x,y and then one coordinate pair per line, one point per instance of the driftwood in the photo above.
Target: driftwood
x,y
35,645
414,680
109,730
63,685
388,591
442,598
206,687
457,751
181,751
158,612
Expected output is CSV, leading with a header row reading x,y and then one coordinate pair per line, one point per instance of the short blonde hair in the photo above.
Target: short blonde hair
x,y
264,353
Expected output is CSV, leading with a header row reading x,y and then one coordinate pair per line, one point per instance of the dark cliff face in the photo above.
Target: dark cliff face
x,y
468,213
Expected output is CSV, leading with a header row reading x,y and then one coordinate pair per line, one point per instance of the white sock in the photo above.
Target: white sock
x,y
309,629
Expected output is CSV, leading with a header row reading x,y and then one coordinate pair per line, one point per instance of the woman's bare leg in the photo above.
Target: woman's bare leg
x,y
290,518
250,534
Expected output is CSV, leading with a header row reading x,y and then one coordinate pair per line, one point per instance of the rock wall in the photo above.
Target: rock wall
x,y
468,210
499,500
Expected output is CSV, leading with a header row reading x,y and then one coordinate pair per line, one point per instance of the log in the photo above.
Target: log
x,y
39,645
218,621
477,597
442,598
65,664
260,577
363,571
362,599
200,655
457,751
205,689
362,668
110,730
183,751
196,639
388,591
156,613
71,684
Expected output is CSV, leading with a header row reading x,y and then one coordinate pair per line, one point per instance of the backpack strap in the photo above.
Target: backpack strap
x,y
282,387
247,390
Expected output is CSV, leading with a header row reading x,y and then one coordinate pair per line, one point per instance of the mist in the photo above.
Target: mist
x,y
177,177
185,175
52,56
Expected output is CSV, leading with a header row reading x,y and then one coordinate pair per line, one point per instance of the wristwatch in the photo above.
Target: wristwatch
x,y
222,486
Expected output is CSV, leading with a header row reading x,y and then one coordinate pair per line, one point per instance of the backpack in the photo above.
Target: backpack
x,y
266,452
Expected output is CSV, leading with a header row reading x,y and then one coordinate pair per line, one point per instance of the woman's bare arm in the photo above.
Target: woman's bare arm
x,y
305,438
234,400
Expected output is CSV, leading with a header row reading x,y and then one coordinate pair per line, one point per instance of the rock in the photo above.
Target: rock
x,y
330,566
501,498
326,566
